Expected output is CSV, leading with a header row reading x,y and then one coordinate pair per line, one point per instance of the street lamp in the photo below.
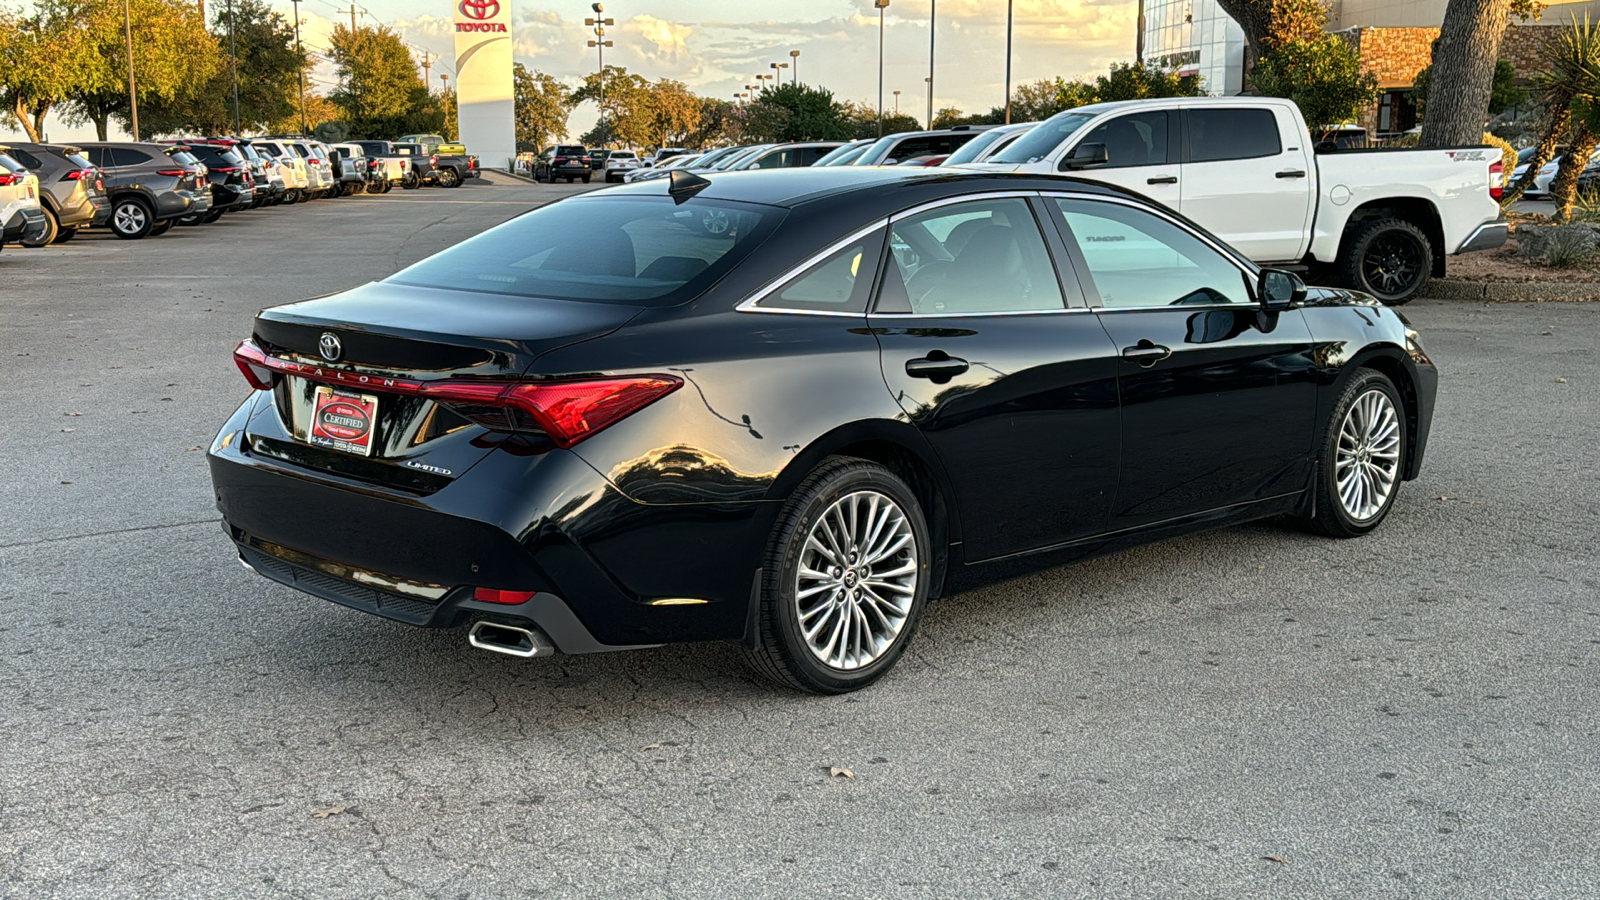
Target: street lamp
x,y
929,82
299,51
776,67
897,103
794,56
133,94
881,5
1009,4
933,9
600,44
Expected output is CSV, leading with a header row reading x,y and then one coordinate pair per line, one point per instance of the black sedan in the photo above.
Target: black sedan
x,y
604,425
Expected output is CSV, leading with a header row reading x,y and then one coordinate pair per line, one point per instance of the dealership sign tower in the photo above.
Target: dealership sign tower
x,y
484,106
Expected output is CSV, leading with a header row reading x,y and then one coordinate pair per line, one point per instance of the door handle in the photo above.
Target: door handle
x,y
1146,353
1292,173
1162,179
937,365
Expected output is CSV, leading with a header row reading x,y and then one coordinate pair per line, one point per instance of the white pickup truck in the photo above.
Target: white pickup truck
x,y
1245,169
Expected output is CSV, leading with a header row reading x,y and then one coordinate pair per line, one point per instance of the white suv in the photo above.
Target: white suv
x,y
295,180
21,216
619,163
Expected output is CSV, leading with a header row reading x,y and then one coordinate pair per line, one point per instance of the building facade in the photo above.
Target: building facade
x,y
1195,37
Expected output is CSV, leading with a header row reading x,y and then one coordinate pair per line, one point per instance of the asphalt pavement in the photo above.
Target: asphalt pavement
x,y
1253,712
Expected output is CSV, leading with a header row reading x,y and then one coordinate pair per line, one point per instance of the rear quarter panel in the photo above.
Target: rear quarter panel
x,y
1455,182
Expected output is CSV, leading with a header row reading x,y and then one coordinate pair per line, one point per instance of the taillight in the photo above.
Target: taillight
x,y
433,160
491,595
314,161
1497,178
10,179
566,411
224,168
78,175
172,173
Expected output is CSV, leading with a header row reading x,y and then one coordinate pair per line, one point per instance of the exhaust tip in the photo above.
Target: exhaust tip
x,y
524,643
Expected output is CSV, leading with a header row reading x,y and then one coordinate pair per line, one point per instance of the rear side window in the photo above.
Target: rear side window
x,y
646,251
9,164
839,283
126,157
1218,134
79,159
24,157
984,256
181,157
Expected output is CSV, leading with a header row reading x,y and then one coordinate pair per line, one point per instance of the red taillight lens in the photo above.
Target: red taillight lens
x,y
78,175
224,168
433,160
570,411
314,161
254,364
491,595
10,179
1497,179
172,173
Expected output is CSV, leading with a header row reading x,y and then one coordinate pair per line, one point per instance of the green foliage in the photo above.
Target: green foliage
x,y
269,68
380,92
798,112
44,57
542,106
1508,153
1036,101
1569,249
638,112
1586,207
720,121
1504,92
1294,20
1322,76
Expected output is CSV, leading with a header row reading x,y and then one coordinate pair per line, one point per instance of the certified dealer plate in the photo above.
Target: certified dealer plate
x,y
344,421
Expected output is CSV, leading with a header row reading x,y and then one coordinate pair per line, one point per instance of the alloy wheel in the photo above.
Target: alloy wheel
x,y
1393,264
714,221
1367,461
129,218
857,580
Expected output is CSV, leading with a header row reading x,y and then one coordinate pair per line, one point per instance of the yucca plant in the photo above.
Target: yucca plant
x,y
1572,74
1568,249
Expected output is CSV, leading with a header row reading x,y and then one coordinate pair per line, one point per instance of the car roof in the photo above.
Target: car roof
x,y
792,187
1175,103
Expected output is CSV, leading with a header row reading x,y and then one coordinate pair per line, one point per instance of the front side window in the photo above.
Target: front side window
x,y
983,256
1139,139
1218,134
1138,259
839,283
775,159
648,251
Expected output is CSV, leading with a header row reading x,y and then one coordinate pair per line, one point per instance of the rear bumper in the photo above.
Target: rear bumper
x,y
25,225
174,204
1487,236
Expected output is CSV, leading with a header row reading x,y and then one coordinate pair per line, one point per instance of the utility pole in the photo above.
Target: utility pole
x,y
233,56
133,93
302,54
600,44
427,67
352,11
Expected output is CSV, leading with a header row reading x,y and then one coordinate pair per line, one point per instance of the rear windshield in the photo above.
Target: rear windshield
x,y
1045,137
79,158
8,163
635,250
567,151
184,157
974,148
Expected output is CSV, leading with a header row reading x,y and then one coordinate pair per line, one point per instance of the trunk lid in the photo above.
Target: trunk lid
x,y
383,331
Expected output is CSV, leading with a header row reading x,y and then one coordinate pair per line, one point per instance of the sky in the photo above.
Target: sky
x,y
716,47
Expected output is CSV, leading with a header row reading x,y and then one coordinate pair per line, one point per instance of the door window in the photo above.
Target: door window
x,y
1139,139
1217,134
984,256
126,157
839,283
1139,259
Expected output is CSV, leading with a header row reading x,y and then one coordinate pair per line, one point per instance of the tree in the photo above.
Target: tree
x,y
1131,81
720,121
380,92
1572,67
1504,92
542,106
269,67
43,58
171,54
800,112
627,115
1463,68
1323,76
675,114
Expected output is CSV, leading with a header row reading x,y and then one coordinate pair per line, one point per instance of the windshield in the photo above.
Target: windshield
x,y
1045,137
649,251
734,159
971,150
840,155
877,149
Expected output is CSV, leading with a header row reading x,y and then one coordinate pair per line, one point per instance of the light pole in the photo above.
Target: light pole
x,y
929,82
133,94
897,103
777,74
933,11
794,56
300,51
233,56
881,5
600,44
1009,4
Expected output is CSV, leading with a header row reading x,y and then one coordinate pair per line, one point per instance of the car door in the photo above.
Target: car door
x,y
1244,183
1214,411
1142,150
1008,375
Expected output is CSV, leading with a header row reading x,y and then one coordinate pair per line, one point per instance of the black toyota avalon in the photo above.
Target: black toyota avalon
x,y
786,409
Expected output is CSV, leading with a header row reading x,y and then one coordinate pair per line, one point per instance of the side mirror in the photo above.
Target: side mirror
x,y
1086,156
1277,290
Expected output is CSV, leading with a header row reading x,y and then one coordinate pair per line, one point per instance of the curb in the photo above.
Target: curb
x,y
1510,291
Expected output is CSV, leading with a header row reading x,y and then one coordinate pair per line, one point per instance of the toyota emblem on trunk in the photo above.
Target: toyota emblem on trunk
x,y
330,348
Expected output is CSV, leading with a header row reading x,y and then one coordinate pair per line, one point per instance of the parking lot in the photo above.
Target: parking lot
x,y
1254,712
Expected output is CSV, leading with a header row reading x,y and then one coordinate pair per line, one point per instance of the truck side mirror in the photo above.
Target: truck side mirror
x,y
1086,156
1277,290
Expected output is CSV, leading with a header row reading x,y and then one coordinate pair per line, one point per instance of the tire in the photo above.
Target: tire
x,y
291,196
212,216
387,187
376,187
162,227
808,522
52,231
449,178
412,182
131,218
66,234
192,220
1367,434
585,179
1387,258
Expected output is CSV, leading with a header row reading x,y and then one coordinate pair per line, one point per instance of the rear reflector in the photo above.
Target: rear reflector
x,y
566,411
492,595
1497,179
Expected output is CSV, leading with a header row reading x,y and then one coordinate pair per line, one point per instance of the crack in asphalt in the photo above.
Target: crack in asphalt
x,y
94,534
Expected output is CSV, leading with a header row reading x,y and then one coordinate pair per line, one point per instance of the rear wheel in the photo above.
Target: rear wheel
x,y
131,218
191,220
844,580
412,182
162,227
449,178
585,179
66,234
291,196
1389,259
52,229
1361,458
212,216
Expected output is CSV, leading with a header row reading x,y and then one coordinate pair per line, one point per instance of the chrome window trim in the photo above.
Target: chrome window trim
x,y
749,304
1227,253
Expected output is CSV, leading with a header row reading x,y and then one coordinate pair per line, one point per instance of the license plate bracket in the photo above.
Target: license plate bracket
x,y
343,421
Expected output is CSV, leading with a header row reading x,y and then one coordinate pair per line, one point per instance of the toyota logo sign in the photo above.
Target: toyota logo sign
x,y
480,9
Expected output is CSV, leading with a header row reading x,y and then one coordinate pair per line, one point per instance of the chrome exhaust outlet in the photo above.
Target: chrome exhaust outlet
x,y
524,643
247,566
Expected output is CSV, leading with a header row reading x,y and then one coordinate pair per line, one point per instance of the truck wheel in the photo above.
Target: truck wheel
x,y
52,228
586,179
412,182
1388,258
131,218
449,178
212,216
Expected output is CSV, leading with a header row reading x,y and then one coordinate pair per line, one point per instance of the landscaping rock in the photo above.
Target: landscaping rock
x,y
1533,241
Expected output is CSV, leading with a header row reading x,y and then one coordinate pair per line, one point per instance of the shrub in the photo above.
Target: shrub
x,y
1568,249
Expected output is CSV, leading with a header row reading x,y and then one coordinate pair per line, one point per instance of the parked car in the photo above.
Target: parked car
x,y
595,428
350,167
1245,170
562,161
232,186
385,167
892,149
321,166
844,155
664,169
419,170
435,143
1547,175
71,192
987,144
662,154
150,185
785,156
614,164
705,162
264,169
21,215
296,176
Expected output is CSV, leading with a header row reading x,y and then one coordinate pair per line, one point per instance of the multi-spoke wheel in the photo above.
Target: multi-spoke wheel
x,y
1389,259
1362,457
715,222
845,579
131,218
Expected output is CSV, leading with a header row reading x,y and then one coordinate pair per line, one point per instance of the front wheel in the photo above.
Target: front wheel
x,y
412,182
844,580
1361,458
1389,259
